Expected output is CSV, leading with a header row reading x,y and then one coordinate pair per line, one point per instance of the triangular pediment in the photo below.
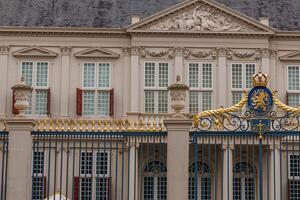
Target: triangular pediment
x,y
295,56
96,53
34,52
200,16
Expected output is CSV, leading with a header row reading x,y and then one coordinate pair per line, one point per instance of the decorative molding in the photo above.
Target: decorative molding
x,y
4,50
135,51
66,51
232,53
178,51
294,56
198,54
96,53
265,53
222,52
34,52
157,54
126,51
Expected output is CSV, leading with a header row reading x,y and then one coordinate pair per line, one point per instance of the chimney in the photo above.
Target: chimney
x,y
264,20
135,18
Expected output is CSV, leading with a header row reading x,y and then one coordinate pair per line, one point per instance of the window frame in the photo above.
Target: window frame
x,y
289,166
243,75
34,80
96,89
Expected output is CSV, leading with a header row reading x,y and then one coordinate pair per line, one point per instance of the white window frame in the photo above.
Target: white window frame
x,y
35,88
243,75
156,88
96,89
39,175
287,81
200,89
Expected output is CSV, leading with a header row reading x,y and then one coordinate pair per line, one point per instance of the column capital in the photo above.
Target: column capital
x,y
178,51
20,124
4,50
135,51
126,51
227,146
65,51
265,53
222,52
178,124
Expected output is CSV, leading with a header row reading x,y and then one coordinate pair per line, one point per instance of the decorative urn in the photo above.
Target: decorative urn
x,y
178,96
21,93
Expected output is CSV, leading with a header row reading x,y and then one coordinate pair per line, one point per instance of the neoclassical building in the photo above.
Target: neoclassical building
x,y
95,121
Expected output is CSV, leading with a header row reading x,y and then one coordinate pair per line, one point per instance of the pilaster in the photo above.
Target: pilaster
x,y
227,172
178,65
133,172
126,78
222,77
135,80
4,50
275,175
265,61
65,81
19,158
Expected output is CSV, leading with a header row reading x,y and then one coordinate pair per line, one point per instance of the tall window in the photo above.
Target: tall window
x,y
293,92
155,181
96,89
155,87
201,189
201,84
36,74
243,181
241,79
294,176
94,181
38,179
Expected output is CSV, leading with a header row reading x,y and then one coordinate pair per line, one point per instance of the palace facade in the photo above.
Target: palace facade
x,y
99,123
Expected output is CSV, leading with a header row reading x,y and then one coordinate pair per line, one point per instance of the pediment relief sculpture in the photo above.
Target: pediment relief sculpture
x,y
96,53
201,18
34,52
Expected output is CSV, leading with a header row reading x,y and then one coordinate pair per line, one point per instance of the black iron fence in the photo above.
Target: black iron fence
x,y
99,165
3,163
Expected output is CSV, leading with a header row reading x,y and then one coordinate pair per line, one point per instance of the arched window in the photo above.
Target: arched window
x,y
243,181
202,188
155,181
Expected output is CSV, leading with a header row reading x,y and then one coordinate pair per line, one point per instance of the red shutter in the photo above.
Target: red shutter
x,y
76,188
111,102
79,102
14,110
48,101
287,98
45,187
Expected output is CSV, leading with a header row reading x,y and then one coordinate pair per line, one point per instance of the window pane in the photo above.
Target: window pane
x,y
104,75
206,101
102,188
237,76
29,109
102,163
293,100
42,74
236,97
162,101
294,189
295,166
41,102
250,70
89,75
86,189
207,75
193,102
148,188
88,102
149,74
38,162
162,188
86,163
103,103
27,72
194,75
38,188
163,75
149,101
293,77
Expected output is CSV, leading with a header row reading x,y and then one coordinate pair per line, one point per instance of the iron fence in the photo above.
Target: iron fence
x,y
3,164
99,165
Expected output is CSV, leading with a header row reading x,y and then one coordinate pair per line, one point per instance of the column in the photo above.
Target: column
x,y
227,172
3,79
265,61
65,81
135,80
178,158
222,78
126,82
274,177
19,170
178,65
133,173
273,70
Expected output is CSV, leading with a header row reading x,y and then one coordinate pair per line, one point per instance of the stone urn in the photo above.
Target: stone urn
x,y
178,96
21,94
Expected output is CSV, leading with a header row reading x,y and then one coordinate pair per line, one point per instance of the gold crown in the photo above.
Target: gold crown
x,y
260,79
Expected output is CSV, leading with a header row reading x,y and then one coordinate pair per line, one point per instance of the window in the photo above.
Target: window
x,y
96,89
155,181
155,87
94,175
293,91
243,181
203,190
200,82
38,179
294,176
36,74
241,79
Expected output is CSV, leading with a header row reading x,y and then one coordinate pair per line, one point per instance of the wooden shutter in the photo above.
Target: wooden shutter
x,y
111,102
14,110
287,98
48,101
45,187
79,102
76,188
